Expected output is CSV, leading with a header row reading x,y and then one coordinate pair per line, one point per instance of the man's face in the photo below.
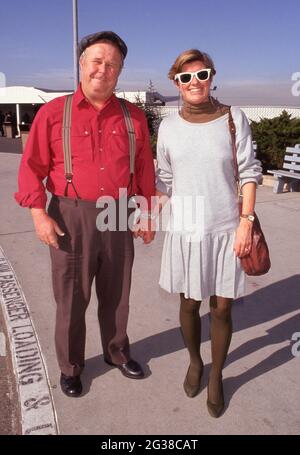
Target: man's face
x,y
100,68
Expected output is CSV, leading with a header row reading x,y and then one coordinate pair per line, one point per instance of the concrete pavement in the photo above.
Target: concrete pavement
x,y
261,377
9,415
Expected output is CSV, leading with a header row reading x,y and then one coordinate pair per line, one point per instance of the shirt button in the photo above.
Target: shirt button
x,y
102,189
100,131
101,168
114,132
86,133
100,149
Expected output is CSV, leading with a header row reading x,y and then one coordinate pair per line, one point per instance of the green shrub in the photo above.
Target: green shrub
x,y
273,136
153,117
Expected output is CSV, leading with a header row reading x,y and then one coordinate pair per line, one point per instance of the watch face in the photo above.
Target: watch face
x,y
251,217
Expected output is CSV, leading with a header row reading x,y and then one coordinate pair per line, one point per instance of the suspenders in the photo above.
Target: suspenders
x,y
66,140
131,135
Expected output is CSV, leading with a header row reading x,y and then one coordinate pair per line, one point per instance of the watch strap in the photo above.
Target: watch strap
x,y
249,217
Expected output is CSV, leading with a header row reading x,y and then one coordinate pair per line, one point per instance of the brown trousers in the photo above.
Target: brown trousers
x,y
86,253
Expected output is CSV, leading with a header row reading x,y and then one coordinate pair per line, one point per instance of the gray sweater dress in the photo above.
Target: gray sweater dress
x,y
195,161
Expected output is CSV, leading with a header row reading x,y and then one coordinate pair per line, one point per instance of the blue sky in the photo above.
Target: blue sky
x,y
254,43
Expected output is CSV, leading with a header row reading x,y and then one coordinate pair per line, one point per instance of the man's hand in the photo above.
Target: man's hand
x,y
46,228
147,236
145,228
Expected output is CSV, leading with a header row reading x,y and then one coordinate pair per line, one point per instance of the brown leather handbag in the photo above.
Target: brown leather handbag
x,y
257,261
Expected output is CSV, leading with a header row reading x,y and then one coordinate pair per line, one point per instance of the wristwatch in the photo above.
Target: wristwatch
x,y
248,217
147,215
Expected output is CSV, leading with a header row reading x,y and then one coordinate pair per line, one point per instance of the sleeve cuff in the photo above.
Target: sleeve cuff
x,y
163,188
32,201
257,180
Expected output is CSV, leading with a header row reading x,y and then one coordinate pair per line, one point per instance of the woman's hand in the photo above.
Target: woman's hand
x,y
243,238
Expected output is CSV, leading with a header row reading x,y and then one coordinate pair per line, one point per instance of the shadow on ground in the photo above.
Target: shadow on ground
x,y
262,306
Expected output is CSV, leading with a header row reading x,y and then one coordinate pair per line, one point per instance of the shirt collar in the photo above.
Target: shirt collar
x,y
79,98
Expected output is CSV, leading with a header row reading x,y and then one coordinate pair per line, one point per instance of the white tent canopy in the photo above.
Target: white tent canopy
x,y
21,97
32,95
26,98
27,95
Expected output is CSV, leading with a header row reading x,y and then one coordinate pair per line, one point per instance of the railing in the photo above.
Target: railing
x,y
252,112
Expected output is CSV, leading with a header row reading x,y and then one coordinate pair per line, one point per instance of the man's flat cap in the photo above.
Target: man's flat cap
x,y
106,35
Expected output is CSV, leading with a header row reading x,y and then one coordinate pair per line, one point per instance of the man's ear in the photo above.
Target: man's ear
x,y
81,60
121,69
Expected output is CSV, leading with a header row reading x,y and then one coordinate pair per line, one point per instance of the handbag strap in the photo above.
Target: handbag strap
x,y
66,135
232,130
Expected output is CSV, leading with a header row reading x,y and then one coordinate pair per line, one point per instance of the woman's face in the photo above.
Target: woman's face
x,y
195,92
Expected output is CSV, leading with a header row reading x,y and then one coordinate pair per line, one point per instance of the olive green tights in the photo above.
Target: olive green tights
x,y
220,334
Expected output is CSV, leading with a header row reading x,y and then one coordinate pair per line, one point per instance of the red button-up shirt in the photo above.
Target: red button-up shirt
x,y
100,153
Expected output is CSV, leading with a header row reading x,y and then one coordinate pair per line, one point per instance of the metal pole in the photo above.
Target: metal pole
x,y
75,43
18,119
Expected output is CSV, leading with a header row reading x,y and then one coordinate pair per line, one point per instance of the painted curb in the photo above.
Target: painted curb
x,y
38,416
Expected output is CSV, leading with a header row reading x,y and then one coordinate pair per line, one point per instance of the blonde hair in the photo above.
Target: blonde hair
x,y
189,56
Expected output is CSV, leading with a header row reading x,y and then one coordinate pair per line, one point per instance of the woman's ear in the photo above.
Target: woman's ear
x,y
176,83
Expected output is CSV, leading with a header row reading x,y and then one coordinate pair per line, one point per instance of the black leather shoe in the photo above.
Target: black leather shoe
x,y
131,369
70,385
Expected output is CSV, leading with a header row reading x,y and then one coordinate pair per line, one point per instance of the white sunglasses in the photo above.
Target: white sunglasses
x,y
201,76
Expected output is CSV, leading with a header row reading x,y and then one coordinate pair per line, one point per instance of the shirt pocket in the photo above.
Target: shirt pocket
x,y
81,145
118,138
